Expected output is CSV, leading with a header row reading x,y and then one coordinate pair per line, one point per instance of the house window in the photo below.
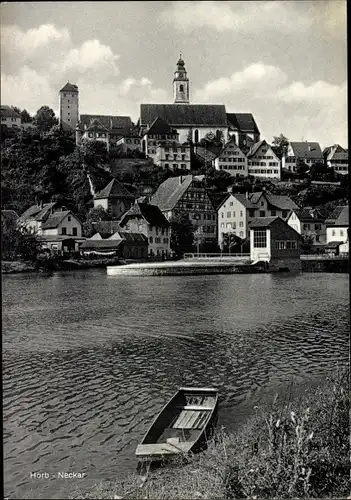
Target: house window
x,y
222,224
167,165
241,234
280,245
74,231
229,214
262,203
165,240
273,213
241,213
151,240
341,232
229,226
306,227
291,245
260,238
69,218
284,214
262,213
317,238
231,203
251,213
318,227
196,136
174,165
241,224
333,232
63,230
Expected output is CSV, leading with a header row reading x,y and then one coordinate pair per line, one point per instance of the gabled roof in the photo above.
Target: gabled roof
x,y
231,142
244,122
309,150
160,127
69,87
339,217
9,215
171,191
151,213
137,238
55,219
95,124
336,149
255,147
281,202
103,244
114,189
263,221
241,198
254,197
8,112
38,212
184,114
116,123
306,215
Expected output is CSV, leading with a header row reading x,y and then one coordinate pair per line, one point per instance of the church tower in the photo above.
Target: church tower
x,y
180,84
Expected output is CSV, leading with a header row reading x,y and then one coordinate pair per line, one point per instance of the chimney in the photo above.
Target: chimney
x,y
180,179
230,189
247,195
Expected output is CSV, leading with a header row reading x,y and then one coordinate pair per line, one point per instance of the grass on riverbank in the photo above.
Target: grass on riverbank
x,y
292,449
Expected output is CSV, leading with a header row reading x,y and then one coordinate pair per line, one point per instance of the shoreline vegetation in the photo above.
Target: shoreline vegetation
x,y
51,265
296,447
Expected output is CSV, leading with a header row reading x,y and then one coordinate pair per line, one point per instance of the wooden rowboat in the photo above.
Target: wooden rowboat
x,y
184,425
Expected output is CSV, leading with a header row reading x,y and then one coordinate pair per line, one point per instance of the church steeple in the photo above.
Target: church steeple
x,y
180,84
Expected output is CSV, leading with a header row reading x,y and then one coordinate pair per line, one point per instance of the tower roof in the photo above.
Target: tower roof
x,y
69,87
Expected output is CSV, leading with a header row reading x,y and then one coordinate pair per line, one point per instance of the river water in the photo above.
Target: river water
x,y
89,359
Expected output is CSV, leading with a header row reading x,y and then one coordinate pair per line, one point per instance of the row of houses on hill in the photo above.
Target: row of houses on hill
x,y
237,214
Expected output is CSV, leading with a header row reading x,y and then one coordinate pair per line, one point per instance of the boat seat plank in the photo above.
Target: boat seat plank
x,y
197,408
180,420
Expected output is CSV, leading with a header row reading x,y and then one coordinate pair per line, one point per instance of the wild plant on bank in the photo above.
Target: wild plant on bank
x,y
297,448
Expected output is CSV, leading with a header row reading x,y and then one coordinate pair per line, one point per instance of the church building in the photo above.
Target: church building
x,y
192,121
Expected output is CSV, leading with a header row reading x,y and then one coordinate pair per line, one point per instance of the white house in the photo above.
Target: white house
x,y
308,222
262,162
337,158
232,160
308,152
58,229
173,155
337,226
9,117
234,215
150,221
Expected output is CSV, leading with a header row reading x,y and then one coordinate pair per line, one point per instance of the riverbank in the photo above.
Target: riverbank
x,y
13,267
297,447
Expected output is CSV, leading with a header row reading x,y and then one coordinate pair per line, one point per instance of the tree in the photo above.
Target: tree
x,y
45,119
15,108
307,244
182,234
281,144
25,116
96,214
301,168
17,242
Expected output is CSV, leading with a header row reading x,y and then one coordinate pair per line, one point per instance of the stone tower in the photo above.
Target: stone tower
x,y
180,84
69,107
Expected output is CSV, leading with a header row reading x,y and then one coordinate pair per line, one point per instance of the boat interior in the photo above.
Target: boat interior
x,y
183,419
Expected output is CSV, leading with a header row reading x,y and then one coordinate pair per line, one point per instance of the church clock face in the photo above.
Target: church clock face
x,y
180,75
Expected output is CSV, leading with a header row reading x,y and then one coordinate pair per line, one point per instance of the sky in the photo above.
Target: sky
x,y
282,61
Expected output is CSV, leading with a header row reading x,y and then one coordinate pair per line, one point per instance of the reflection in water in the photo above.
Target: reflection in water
x,y
89,359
